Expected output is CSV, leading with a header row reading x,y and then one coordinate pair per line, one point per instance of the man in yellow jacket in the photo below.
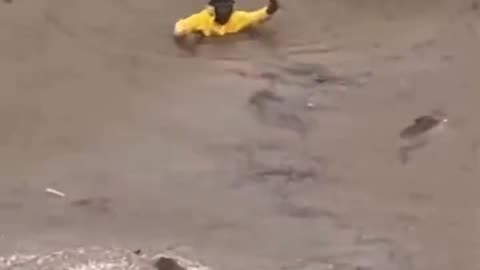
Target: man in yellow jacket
x,y
220,18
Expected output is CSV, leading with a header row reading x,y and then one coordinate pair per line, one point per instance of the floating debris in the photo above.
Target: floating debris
x,y
55,192
310,105
165,263
177,263
424,124
417,135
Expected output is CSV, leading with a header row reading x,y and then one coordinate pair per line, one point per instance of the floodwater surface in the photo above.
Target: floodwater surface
x,y
274,149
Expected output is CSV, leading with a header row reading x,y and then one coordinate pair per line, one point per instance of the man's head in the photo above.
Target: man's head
x,y
223,10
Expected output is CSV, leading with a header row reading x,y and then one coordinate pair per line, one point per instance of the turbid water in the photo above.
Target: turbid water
x,y
277,149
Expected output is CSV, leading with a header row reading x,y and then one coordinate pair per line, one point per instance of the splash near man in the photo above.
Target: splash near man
x,y
220,18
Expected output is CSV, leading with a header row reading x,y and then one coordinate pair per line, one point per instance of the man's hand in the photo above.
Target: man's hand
x,y
272,7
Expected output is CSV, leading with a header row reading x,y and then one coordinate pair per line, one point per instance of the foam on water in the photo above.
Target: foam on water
x,y
91,258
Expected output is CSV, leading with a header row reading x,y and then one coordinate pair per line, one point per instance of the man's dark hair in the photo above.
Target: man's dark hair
x,y
221,2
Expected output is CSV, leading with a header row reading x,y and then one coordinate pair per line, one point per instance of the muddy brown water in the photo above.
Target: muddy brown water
x,y
271,150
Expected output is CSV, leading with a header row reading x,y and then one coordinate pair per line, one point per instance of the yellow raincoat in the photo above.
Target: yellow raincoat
x,y
204,22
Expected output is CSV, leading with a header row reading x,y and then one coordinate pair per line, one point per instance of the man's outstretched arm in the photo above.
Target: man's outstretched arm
x,y
256,17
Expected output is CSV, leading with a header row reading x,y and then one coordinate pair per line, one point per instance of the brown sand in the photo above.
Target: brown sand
x,y
276,150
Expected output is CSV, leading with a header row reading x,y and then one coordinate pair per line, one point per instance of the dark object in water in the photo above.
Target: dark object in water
x,y
261,97
423,124
417,135
165,263
99,204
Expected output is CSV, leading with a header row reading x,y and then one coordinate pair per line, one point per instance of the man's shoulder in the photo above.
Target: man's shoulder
x,y
204,13
240,15
246,13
